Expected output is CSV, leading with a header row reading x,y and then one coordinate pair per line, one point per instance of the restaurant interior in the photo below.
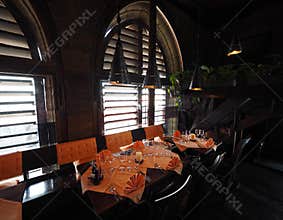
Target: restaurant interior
x,y
154,109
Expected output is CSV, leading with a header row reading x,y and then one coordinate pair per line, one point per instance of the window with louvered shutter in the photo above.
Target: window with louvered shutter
x,y
160,94
18,118
12,40
120,107
127,116
23,103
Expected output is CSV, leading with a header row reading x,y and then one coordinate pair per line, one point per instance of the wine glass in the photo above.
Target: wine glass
x,y
197,132
202,133
206,136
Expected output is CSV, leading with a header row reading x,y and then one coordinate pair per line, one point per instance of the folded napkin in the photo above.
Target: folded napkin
x,y
177,134
173,163
138,146
103,155
135,182
127,147
157,139
209,143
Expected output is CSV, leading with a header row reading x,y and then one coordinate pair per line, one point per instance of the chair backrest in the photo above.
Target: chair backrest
x,y
239,149
40,157
217,161
154,131
101,143
138,134
173,194
72,151
115,141
10,165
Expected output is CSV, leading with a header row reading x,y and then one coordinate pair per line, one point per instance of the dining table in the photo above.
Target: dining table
x,y
109,194
183,143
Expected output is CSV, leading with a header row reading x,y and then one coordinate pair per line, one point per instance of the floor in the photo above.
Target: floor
x,y
259,195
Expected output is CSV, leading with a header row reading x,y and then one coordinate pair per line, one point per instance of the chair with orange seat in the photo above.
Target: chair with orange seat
x,y
154,131
10,166
81,151
115,141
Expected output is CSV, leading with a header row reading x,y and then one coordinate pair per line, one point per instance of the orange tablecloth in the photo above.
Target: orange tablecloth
x,y
117,180
10,210
117,173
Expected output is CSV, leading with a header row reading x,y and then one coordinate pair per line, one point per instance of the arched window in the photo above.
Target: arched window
x,y
125,107
25,97
12,40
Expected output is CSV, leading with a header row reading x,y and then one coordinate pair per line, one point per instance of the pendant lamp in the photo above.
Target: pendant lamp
x,y
152,79
119,72
196,81
235,46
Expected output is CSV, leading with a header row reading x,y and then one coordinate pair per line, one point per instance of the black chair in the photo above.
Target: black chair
x,y
171,198
100,143
138,134
43,157
13,193
64,204
171,202
227,170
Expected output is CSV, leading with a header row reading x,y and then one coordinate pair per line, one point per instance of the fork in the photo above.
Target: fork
x,y
113,190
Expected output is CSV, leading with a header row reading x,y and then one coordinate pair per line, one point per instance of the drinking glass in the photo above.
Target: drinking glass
x,y
122,169
122,158
201,133
206,136
197,132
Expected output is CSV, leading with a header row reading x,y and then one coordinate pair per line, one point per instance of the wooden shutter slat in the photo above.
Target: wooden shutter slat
x,y
6,15
14,51
10,27
13,40
2,4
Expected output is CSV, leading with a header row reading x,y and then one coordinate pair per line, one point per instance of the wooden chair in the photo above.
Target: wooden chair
x,y
115,141
81,150
10,166
10,210
154,131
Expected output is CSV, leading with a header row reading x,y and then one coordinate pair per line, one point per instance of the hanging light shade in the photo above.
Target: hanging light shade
x,y
152,79
235,47
119,71
196,82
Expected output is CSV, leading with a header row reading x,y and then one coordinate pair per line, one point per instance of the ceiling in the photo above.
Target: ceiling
x,y
216,13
